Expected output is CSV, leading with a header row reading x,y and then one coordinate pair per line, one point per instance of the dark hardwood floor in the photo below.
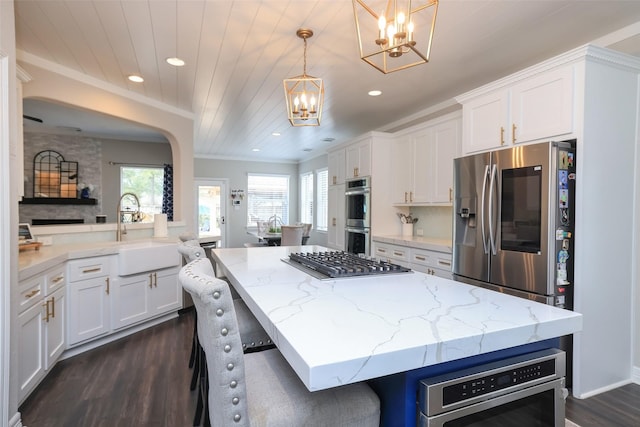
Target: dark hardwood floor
x,y
143,380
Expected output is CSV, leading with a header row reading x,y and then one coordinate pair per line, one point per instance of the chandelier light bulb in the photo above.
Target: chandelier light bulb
x,y
303,100
296,103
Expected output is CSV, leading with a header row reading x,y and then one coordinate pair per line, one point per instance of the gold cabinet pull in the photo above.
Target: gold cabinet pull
x,y
333,222
107,283
32,293
91,270
398,253
155,279
58,279
411,196
150,280
450,194
53,307
501,135
420,258
513,133
46,315
405,197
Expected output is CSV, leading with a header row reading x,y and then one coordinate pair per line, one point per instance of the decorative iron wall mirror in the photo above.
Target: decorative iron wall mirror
x,y
53,176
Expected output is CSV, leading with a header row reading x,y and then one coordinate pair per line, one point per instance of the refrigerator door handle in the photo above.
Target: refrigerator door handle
x,y
492,215
482,210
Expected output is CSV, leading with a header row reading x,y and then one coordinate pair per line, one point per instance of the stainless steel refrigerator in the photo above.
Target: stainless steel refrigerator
x,y
514,221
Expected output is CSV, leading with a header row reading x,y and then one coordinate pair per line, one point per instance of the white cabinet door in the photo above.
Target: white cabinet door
x,y
336,217
422,167
336,167
55,321
131,299
542,107
358,159
485,120
30,337
88,309
166,294
401,164
444,148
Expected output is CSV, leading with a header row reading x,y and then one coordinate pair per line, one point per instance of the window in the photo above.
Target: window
x,y
322,212
306,198
267,195
147,184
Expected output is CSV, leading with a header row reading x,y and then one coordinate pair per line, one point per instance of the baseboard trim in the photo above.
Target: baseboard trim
x,y
16,420
635,375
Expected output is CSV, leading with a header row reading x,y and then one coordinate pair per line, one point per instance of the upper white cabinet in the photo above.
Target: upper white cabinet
x,y
336,166
529,108
358,158
336,216
423,162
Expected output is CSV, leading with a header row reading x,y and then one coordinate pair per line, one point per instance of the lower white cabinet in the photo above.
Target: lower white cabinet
x,y
89,298
41,327
142,296
423,260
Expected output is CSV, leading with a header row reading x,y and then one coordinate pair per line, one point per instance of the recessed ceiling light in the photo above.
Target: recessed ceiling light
x,y
375,92
135,78
255,149
275,133
176,62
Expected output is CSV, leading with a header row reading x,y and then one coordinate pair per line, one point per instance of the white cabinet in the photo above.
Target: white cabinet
x,y
143,296
423,163
336,166
529,109
89,298
431,262
41,325
358,159
336,217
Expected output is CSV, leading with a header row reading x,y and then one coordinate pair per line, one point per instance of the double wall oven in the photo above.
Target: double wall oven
x,y
358,216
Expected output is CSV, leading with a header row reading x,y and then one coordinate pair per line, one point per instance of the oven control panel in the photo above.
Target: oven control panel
x,y
458,389
477,387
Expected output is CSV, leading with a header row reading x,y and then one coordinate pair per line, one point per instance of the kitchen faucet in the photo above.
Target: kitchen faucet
x,y
134,218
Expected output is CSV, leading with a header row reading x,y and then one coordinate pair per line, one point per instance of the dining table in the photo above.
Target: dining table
x,y
390,330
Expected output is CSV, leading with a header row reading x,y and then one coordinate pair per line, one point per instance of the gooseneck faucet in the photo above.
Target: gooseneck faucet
x,y
135,217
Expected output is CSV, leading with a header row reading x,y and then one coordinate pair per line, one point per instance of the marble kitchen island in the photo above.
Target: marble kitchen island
x,y
340,331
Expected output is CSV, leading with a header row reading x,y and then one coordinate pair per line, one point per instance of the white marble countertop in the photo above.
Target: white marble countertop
x,y
32,262
418,242
342,331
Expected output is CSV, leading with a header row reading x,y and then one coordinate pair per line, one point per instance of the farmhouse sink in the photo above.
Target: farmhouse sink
x,y
138,257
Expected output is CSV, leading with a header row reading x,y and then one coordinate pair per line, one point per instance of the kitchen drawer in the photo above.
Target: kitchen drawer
x,y
31,292
89,268
54,280
391,252
433,259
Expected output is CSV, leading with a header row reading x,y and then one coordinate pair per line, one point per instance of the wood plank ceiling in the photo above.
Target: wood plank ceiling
x,y
238,52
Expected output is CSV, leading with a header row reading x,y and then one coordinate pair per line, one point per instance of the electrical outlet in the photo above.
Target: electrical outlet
x,y
419,232
45,240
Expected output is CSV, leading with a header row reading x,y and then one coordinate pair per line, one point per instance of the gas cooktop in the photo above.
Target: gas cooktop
x,y
337,264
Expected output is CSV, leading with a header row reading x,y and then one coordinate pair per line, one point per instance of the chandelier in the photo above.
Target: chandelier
x,y
394,35
304,93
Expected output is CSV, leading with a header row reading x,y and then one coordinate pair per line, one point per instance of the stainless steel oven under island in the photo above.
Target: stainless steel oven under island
x,y
391,329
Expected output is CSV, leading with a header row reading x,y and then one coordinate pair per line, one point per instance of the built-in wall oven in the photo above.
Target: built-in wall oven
x,y
522,391
358,216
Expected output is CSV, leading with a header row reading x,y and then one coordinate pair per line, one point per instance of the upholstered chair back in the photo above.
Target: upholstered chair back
x,y
220,338
191,250
292,235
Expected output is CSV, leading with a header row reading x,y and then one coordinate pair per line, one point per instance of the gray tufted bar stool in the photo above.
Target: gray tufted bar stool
x,y
261,389
253,336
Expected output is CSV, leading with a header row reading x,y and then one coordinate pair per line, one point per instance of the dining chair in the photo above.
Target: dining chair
x,y
261,389
291,235
253,336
